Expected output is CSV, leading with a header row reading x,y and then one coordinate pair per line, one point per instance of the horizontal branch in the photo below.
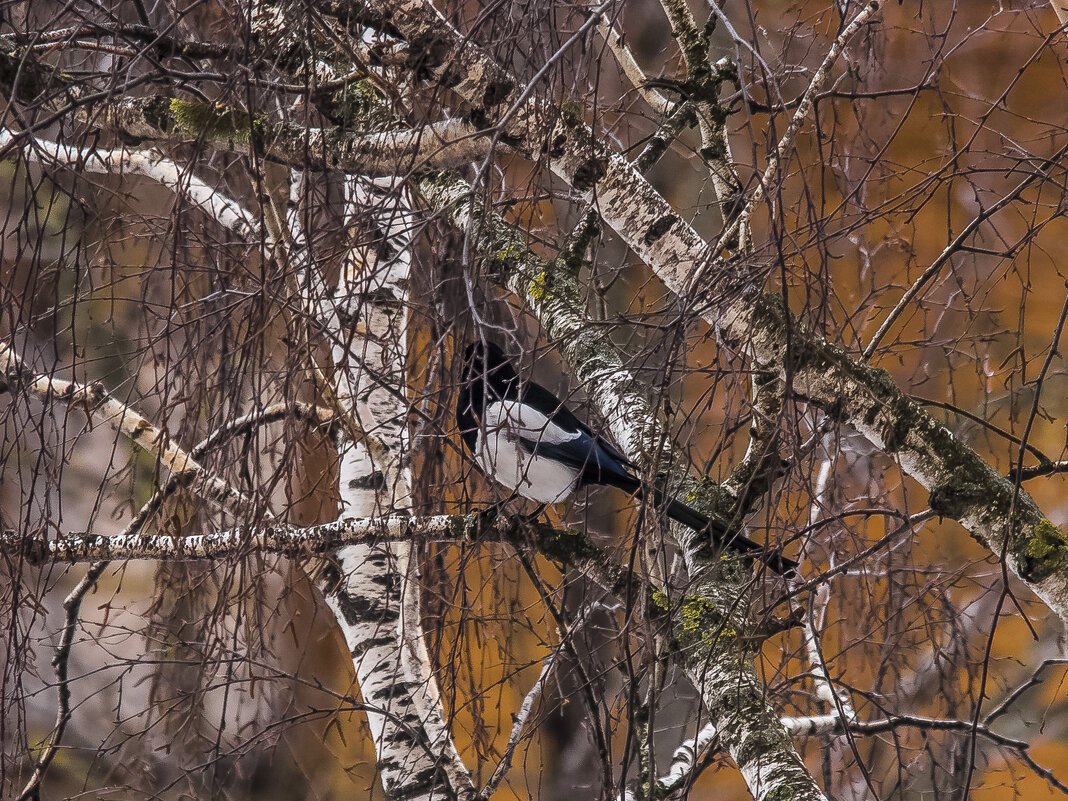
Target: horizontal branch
x,y
151,41
303,541
1037,471
832,724
443,145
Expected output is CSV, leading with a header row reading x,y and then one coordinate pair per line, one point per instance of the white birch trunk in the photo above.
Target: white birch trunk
x,y
374,589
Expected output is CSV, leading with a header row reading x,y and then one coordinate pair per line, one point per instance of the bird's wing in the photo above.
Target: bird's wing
x,y
559,439
578,448
522,421
538,396
543,426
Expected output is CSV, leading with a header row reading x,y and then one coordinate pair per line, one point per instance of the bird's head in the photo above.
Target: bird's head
x,y
485,363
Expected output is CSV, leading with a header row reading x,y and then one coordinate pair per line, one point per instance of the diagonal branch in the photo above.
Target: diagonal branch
x,y
96,401
962,486
629,65
801,113
180,180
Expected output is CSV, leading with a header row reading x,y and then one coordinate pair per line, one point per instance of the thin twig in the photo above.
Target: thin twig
x,y
184,467
72,605
807,101
1038,470
818,79
686,758
125,420
1012,697
520,723
222,435
954,246
949,407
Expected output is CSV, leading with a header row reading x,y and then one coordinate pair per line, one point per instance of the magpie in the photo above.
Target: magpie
x,y
523,437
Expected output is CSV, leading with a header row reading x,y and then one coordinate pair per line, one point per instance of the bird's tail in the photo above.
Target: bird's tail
x,y
722,537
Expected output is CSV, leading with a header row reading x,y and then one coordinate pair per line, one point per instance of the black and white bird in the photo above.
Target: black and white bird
x,y
523,437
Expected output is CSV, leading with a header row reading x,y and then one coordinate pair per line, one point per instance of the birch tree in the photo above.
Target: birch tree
x,y
801,263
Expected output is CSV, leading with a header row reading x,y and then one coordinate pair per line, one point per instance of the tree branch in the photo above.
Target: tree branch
x,y
629,65
296,541
442,145
125,420
179,180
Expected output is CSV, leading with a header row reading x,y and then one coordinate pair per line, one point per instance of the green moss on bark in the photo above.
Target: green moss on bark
x,y
508,257
759,742
781,792
659,600
210,121
1043,552
699,622
566,546
357,106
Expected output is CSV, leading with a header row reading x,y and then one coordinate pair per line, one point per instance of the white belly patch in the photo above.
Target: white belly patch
x,y
534,477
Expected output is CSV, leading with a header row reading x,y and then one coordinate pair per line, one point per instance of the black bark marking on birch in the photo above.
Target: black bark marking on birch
x,y
157,113
141,428
496,93
716,151
420,785
451,75
385,641
588,173
398,689
358,609
480,119
659,228
557,147
383,296
95,395
384,580
374,480
427,53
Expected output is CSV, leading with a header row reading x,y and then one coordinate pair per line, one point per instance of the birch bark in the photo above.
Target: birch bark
x,y
374,589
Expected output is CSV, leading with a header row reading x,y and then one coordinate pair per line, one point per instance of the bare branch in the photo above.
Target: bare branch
x,y
447,144
800,115
520,722
125,420
629,65
290,540
1038,173
150,165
